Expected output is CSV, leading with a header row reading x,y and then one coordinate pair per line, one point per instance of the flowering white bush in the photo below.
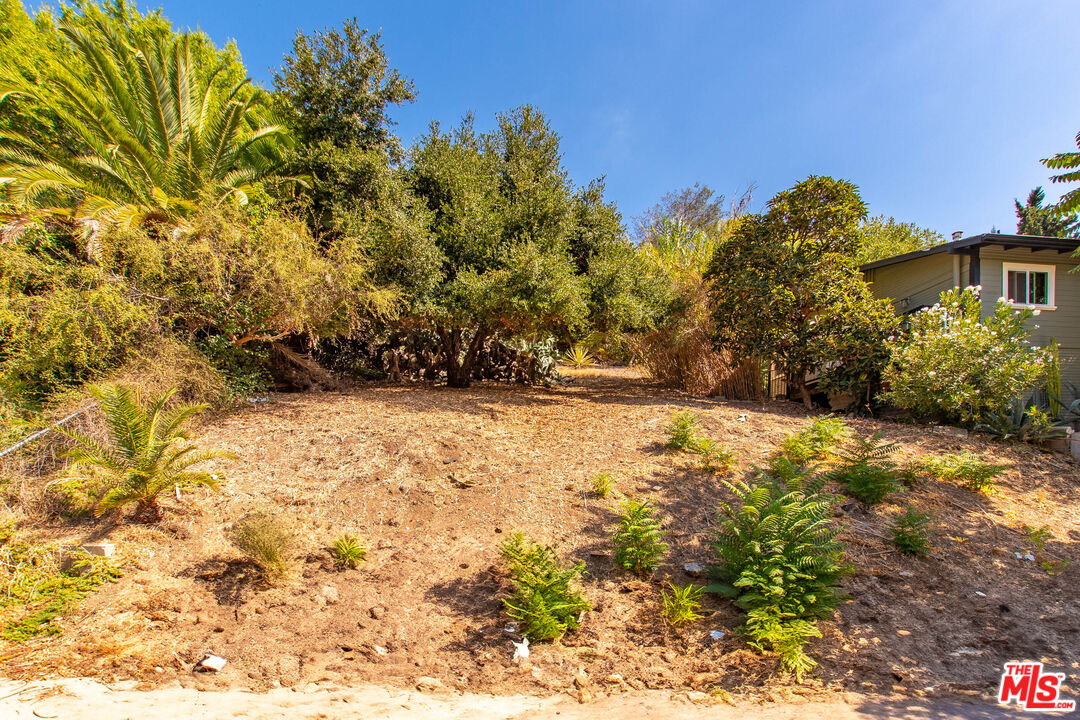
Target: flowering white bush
x,y
954,366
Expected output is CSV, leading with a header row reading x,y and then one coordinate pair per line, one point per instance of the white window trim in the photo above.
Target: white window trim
x,y
1051,293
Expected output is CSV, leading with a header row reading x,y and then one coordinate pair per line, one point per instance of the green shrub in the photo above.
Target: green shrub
x,y
681,606
955,366
909,532
815,440
683,431
865,470
781,562
545,599
603,484
39,587
965,468
145,456
638,539
267,540
348,551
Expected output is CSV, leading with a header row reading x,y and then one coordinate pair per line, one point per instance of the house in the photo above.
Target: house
x,y
1029,271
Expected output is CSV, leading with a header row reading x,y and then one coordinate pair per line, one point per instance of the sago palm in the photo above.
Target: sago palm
x,y
147,453
157,134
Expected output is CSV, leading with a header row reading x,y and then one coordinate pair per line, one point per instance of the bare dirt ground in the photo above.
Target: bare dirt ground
x,y
435,478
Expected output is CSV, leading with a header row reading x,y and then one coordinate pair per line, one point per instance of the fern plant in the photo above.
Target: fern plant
x,y
781,562
714,456
348,552
815,440
865,470
146,455
578,356
683,431
545,599
603,484
909,532
965,468
681,606
638,539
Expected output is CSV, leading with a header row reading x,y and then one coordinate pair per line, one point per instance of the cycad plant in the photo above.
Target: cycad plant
x,y
157,133
147,453
781,562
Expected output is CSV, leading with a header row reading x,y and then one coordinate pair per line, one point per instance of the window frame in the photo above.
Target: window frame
x,y
1051,289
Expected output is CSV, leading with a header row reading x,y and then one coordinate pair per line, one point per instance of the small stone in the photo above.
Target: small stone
x,y
693,569
428,683
377,612
613,678
100,549
212,662
385,544
330,592
380,650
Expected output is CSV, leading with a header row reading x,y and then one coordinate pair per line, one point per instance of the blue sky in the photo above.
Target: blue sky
x,y
939,111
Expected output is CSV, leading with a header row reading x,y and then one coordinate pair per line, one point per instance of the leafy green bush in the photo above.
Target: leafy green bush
x,y
965,468
955,366
348,551
781,562
603,484
909,532
815,440
145,457
638,539
681,606
267,540
545,599
865,470
683,431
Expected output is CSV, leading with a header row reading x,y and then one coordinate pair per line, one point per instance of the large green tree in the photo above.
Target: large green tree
x,y
334,91
1069,204
784,284
882,237
1033,218
154,129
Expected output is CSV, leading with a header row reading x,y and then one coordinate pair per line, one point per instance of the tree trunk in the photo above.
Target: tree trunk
x,y
459,369
799,379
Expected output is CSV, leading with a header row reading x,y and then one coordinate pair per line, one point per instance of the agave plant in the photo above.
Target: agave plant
x,y
147,453
578,356
157,134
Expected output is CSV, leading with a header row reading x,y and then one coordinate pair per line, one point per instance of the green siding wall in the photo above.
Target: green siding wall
x,y
916,283
1062,324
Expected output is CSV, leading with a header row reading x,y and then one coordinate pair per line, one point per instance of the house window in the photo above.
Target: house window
x,y
1029,285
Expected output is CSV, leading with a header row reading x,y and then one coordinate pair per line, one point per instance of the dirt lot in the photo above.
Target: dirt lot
x,y
434,479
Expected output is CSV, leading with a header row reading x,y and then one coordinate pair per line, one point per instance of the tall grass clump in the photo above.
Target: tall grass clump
x,y
780,562
682,605
267,540
638,539
545,598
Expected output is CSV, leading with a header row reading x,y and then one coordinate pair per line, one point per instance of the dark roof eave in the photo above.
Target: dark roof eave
x,y
1033,242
